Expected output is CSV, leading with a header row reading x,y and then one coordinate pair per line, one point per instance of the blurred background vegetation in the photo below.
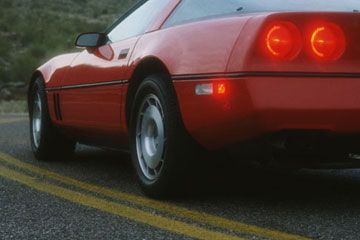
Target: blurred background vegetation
x,y
33,31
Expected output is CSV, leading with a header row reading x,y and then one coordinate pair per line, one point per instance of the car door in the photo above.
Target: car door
x,y
93,87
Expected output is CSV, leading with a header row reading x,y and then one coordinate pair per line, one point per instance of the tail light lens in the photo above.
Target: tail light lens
x,y
327,41
221,88
282,40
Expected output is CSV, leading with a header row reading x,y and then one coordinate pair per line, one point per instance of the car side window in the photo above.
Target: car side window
x,y
138,21
192,10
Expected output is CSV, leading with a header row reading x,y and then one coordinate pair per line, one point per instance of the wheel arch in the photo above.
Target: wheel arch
x,y
147,66
37,74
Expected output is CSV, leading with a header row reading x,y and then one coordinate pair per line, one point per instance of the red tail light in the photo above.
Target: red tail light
x,y
327,41
282,40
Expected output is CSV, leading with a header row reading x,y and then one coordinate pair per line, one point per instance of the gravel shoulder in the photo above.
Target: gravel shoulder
x,y
13,106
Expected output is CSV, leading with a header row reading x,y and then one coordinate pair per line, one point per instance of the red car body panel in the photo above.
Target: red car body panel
x,y
256,106
262,95
97,110
54,70
192,48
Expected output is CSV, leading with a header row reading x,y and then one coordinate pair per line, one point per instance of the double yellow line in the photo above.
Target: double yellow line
x,y
9,164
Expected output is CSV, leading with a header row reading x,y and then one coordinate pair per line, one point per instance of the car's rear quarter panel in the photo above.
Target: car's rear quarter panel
x,y
198,48
193,48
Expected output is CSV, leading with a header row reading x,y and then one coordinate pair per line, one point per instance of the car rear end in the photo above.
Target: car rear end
x,y
293,81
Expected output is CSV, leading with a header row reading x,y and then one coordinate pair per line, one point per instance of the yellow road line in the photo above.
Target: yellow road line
x,y
12,120
169,208
115,208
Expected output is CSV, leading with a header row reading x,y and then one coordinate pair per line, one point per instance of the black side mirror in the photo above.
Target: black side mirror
x,y
91,40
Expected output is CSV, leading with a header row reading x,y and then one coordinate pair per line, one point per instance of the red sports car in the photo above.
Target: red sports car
x,y
273,81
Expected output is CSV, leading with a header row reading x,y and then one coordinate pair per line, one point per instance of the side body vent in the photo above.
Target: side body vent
x,y
57,107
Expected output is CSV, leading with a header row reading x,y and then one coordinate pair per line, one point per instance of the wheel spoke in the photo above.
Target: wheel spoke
x,y
150,137
148,102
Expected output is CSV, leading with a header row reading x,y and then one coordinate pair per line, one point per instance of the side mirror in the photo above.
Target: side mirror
x,y
91,40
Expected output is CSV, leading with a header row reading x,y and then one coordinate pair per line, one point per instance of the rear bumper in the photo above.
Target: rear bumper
x,y
255,106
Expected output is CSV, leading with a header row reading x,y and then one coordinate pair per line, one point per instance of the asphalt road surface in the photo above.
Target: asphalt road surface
x,y
95,196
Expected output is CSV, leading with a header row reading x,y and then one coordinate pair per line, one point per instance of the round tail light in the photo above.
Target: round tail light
x,y
327,41
282,40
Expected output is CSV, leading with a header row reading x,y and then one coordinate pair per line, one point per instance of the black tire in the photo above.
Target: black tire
x,y
50,144
178,147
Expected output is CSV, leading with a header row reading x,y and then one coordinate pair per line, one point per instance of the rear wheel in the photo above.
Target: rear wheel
x,y
47,142
160,147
